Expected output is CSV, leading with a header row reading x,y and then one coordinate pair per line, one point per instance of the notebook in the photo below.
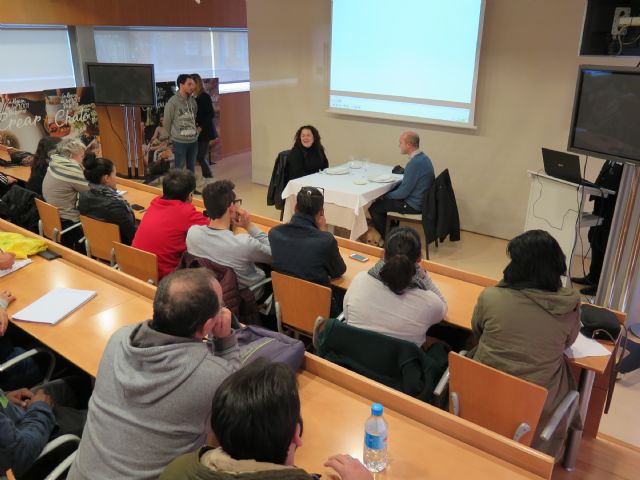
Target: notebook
x,y
17,265
54,306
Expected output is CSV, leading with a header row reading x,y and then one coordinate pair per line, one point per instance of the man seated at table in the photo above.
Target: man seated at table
x,y
219,244
156,380
30,419
256,419
164,227
407,197
303,248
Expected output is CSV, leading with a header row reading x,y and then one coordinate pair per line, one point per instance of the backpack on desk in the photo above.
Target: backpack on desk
x,y
256,342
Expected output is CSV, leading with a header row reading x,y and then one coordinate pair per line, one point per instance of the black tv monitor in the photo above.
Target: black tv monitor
x,y
605,123
128,84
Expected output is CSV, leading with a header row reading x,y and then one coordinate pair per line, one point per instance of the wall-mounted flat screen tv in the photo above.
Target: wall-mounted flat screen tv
x,y
605,116
126,84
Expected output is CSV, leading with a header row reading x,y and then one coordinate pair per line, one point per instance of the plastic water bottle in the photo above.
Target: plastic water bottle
x,y
375,440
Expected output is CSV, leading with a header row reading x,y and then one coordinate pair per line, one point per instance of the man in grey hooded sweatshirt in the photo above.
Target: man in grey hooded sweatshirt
x,y
153,393
180,122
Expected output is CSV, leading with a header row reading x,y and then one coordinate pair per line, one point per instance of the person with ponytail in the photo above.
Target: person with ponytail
x,y
397,296
102,201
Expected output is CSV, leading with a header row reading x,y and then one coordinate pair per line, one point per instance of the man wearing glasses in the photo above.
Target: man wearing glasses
x,y
303,248
218,243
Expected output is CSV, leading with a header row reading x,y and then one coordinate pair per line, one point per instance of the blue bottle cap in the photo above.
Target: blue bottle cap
x,y
376,409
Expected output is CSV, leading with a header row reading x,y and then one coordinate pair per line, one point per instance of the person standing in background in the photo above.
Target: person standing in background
x,y
205,121
180,121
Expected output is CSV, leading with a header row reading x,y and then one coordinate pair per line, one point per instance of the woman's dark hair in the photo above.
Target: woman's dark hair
x,y
96,167
255,412
317,144
178,184
537,261
401,252
46,146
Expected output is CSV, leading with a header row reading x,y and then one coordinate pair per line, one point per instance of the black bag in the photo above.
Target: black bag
x,y
599,323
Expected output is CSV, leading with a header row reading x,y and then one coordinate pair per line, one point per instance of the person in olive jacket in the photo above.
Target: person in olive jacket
x,y
102,201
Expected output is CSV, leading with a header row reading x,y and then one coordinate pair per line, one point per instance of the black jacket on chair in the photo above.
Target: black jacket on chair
x,y
279,180
440,211
22,209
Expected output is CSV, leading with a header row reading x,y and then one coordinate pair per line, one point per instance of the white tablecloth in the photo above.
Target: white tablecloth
x,y
345,202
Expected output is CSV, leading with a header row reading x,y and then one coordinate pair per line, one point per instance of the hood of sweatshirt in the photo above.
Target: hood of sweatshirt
x,y
558,303
149,365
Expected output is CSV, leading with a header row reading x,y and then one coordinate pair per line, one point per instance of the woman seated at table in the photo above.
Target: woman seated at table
x,y
524,323
102,200
397,296
307,155
46,146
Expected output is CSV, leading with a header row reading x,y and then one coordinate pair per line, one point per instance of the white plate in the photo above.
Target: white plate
x,y
360,181
336,171
382,179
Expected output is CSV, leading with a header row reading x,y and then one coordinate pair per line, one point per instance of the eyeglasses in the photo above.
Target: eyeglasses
x,y
237,202
312,191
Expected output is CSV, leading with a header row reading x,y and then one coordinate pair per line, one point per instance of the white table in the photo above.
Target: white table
x,y
345,202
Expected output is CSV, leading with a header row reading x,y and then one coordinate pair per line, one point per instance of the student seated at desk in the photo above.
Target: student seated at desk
x,y
219,244
303,248
63,182
524,324
397,296
164,227
40,164
102,201
27,371
256,419
156,380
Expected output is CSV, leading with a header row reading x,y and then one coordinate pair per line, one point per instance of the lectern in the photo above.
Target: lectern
x,y
556,206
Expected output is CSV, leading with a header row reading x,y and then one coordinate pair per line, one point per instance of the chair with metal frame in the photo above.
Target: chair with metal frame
x,y
50,225
99,238
137,263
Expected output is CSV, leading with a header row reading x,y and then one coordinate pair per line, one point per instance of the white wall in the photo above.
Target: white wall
x,y
527,75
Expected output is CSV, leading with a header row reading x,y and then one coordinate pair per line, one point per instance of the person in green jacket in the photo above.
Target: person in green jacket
x,y
256,419
524,323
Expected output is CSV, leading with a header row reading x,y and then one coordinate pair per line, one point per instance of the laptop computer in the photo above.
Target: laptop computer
x,y
564,166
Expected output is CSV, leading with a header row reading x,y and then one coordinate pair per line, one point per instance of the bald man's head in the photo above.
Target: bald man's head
x,y
184,301
409,142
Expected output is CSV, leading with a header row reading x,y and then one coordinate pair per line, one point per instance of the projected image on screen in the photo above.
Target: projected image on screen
x,y
607,114
411,59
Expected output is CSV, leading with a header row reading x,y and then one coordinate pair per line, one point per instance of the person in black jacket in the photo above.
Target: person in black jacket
x,y
46,146
102,201
204,120
307,155
303,248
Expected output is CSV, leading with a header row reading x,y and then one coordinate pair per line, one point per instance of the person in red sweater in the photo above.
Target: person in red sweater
x,y
163,228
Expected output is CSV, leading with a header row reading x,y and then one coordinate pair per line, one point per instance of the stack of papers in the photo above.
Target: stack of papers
x,y
586,347
18,264
55,305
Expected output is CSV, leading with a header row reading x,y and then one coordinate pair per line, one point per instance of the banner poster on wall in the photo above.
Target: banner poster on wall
x,y
27,117
156,146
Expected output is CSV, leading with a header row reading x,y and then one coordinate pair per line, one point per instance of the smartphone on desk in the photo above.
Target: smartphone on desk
x,y
137,208
358,257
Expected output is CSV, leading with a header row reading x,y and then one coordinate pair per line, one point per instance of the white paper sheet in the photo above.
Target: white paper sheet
x,y
586,347
17,265
55,305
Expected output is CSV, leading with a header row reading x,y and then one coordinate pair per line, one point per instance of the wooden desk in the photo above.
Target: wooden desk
x,y
19,172
335,402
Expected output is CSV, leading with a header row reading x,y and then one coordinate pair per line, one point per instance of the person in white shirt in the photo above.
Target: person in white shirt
x,y
397,296
219,244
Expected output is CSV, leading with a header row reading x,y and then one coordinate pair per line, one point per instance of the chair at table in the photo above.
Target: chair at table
x,y
394,362
99,238
501,402
412,219
299,303
50,225
137,263
54,460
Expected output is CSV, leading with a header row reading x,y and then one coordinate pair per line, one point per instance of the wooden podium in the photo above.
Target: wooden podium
x,y
556,206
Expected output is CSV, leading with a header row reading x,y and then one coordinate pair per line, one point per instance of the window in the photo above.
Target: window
x,y
221,53
35,58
